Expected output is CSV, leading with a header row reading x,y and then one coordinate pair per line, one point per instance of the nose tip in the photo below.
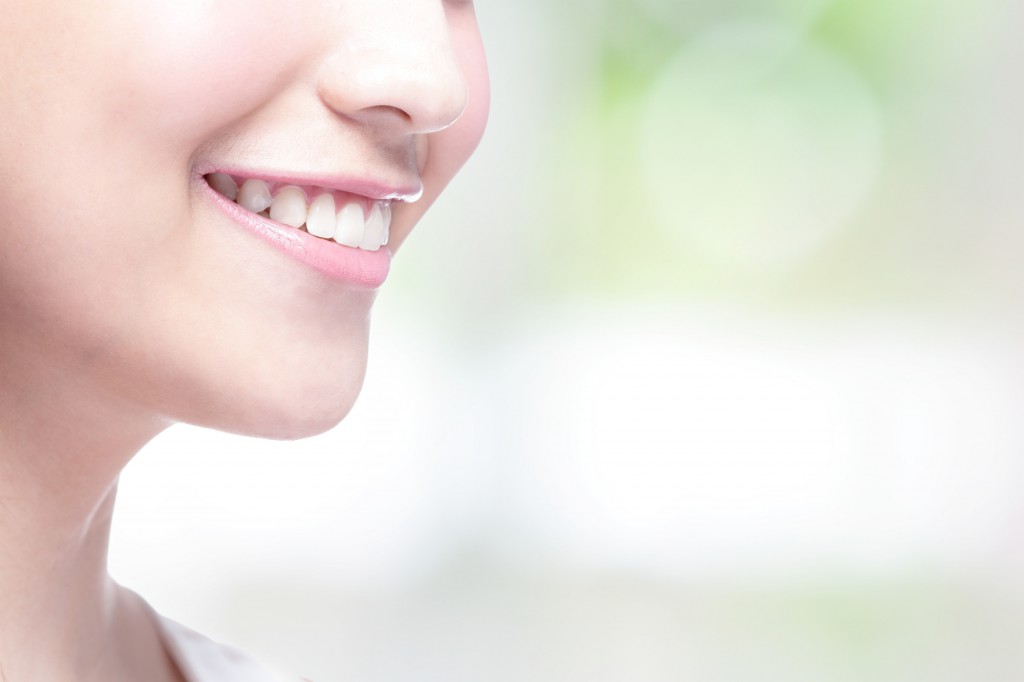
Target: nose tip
x,y
404,70
423,97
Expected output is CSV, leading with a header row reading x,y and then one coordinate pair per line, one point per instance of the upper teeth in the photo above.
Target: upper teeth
x,y
346,219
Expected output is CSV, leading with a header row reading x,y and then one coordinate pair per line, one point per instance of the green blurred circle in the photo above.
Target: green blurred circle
x,y
756,146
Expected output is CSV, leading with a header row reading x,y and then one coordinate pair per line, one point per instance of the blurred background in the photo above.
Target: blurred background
x,y
706,368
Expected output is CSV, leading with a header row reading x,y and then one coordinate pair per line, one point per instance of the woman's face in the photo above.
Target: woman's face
x,y
121,267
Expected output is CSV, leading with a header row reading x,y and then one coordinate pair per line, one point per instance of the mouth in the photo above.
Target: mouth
x,y
338,228
349,219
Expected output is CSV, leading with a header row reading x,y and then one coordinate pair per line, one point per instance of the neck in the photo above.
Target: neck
x,y
61,450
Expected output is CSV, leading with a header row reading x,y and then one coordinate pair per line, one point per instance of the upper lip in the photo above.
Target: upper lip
x,y
407,190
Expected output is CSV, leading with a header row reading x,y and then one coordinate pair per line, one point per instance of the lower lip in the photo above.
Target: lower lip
x,y
338,262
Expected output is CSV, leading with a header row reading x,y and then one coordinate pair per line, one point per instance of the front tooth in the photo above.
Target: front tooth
x,y
374,235
224,184
254,195
350,225
289,206
322,221
386,212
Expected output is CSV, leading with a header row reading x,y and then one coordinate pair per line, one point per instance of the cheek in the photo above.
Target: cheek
x,y
187,68
460,140
465,135
447,151
98,123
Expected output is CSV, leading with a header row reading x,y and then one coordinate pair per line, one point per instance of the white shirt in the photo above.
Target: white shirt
x,y
200,659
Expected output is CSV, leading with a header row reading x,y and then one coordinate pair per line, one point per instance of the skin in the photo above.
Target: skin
x,y
129,302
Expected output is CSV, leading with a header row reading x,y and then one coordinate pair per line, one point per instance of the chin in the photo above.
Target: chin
x,y
282,402
292,424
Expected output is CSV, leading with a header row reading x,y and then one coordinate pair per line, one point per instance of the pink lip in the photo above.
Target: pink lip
x,y
343,263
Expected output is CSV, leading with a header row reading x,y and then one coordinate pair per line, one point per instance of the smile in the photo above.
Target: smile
x,y
348,219
337,226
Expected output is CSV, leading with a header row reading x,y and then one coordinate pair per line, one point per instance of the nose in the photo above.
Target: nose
x,y
393,62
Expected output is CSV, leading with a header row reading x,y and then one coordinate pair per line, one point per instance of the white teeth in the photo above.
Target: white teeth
x,y
322,218
373,235
223,183
254,196
386,212
289,206
321,221
350,225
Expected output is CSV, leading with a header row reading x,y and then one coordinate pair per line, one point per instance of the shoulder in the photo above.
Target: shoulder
x,y
201,659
